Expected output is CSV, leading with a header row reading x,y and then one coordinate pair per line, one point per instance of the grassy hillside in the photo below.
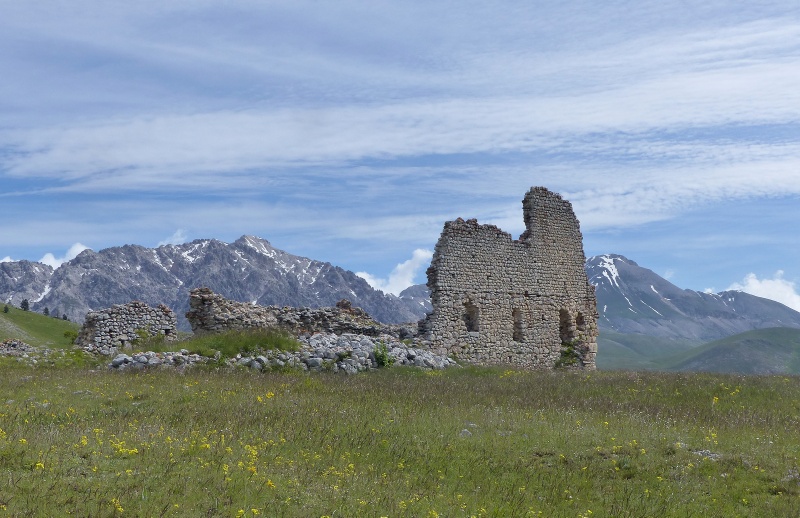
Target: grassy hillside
x,y
763,351
397,442
34,328
618,351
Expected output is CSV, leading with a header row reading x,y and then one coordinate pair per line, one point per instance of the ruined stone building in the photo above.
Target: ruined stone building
x,y
120,325
524,302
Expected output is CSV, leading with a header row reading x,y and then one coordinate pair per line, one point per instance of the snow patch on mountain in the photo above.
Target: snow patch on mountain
x,y
47,290
609,270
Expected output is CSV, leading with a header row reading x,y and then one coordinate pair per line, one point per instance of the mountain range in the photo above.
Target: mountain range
x,y
634,300
248,270
643,318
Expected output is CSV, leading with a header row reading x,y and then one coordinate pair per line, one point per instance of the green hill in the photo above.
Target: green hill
x,y
621,351
35,328
763,351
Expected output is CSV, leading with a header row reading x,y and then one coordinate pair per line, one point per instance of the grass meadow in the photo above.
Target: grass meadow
x,y
396,442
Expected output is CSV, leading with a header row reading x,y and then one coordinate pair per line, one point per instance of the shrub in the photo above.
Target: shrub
x,y
569,356
382,357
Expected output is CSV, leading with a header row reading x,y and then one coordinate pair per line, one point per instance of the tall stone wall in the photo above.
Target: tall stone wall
x,y
213,313
118,326
524,302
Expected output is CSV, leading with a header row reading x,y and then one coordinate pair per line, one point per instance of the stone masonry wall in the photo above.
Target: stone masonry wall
x,y
213,313
116,327
524,302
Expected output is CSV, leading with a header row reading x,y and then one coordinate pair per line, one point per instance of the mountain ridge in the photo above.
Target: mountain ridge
x,y
635,300
249,270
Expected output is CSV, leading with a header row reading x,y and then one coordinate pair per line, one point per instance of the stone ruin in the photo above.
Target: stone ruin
x,y
524,302
120,325
213,313
496,300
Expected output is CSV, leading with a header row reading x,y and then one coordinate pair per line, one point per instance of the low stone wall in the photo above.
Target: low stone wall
x,y
346,354
117,327
213,313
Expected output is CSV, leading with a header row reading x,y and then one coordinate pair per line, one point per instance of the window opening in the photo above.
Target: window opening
x,y
471,317
518,325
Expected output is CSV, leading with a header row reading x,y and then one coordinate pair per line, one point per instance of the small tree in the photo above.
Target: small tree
x,y
25,306
46,311
5,308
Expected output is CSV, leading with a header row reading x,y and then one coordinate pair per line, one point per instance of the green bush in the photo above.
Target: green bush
x,y
382,357
569,356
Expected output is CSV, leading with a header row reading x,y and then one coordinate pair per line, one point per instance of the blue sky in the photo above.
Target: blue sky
x,y
351,131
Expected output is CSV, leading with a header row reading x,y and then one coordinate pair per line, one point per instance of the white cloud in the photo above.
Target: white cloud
x,y
402,275
6,259
777,288
178,238
72,253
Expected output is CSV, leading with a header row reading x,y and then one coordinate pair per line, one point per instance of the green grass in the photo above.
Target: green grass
x,y
35,328
398,442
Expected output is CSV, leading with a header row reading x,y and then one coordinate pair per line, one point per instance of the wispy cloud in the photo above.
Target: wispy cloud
x,y
178,238
371,125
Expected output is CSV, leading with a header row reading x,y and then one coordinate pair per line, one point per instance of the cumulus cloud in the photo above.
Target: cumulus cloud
x,y
178,238
6,259
51,260
776,288
402,276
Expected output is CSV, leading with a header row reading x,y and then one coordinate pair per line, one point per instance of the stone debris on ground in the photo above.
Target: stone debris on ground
x,y
14,347
347,353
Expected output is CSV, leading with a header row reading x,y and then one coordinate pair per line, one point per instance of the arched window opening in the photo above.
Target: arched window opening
x,y
471,317
518,326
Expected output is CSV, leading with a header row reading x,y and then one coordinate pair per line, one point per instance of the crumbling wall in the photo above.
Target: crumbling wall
x,y
213,313
524,302
120,325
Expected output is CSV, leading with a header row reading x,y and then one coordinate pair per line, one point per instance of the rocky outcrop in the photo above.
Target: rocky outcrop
x,y
523,302
121,325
